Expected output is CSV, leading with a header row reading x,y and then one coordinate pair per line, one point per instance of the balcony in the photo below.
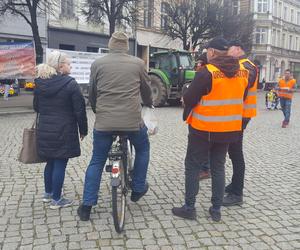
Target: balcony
x,y
267,49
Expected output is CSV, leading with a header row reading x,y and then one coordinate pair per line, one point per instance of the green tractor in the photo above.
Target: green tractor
x,y
169,71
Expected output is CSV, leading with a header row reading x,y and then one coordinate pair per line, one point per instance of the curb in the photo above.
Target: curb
x,y
17,112
4,112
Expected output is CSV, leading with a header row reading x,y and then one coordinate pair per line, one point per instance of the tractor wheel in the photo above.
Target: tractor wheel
x,y
174,102
159,91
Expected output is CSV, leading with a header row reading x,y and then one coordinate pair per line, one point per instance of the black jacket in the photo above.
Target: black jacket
x,y
201,85
62,113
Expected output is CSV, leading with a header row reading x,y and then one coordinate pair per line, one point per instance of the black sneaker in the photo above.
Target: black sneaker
x,y
185,212
84,212
228,188
215,214
135,196
232,200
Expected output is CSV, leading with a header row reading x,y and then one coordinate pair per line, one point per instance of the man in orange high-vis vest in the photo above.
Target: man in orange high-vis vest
x,y
213,109
286,87
235,150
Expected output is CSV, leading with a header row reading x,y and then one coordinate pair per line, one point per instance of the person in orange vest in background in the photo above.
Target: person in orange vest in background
x,y
213,110
235,150
286,87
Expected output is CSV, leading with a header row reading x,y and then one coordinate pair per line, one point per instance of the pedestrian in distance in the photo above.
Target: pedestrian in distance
x,y
61,115
117,81
272,99
235,149
213,111
7,84
286,88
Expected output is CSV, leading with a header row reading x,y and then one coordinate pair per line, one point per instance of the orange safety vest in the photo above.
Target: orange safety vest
x,y
284,87
250,102
221,110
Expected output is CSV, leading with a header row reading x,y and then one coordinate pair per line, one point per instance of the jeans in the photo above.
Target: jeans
x,y
101,145
199,152
54,176
236,155
286,108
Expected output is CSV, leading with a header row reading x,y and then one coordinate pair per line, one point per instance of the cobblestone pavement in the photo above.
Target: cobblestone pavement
x,y
269,218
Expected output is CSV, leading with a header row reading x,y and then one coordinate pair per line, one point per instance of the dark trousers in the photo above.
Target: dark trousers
x,y
236,155
54,176
199,153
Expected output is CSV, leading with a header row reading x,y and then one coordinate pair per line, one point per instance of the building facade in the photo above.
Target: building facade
x,y
14,28
69,30
152,20
276,44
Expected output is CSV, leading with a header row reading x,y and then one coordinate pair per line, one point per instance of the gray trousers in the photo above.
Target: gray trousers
x,y
199,153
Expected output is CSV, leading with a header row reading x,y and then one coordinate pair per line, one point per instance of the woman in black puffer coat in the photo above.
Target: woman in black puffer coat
x,y
61,115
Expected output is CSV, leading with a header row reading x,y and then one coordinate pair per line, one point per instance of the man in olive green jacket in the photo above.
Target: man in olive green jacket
x,y
117,83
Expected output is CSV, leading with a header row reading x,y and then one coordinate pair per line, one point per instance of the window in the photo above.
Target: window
x,y
186,61
297,43
278,38
236,7
167,62
298,18
285,13
283,41
66,47
292,16
274,37
148,13
164,15
92,49
67,8
262,6
280,10
275,8
261,36
291,42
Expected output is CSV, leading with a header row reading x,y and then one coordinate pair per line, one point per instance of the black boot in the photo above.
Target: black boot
x,y
185,212
135,196
84,212
215,214
232,200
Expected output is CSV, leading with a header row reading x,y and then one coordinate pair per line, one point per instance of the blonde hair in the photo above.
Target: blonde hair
x,y
51,68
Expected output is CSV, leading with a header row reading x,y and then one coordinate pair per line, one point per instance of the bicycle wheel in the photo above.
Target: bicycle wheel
x,y
130,162
119,193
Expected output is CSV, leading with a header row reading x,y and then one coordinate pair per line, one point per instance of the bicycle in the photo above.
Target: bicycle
x,y
120,166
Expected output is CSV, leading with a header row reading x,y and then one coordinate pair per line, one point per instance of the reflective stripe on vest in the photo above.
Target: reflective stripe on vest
x,y
250,101
220,102
227,118
284,87
221,110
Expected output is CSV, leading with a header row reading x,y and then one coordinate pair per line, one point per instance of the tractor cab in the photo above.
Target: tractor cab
x,y
169,71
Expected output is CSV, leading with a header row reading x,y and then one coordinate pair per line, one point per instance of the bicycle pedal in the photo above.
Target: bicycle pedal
x,y
108,168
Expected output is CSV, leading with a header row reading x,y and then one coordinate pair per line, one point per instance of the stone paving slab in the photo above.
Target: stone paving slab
x,y
268,219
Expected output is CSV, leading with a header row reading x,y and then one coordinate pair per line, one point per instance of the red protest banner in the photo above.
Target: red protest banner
x,y
17,60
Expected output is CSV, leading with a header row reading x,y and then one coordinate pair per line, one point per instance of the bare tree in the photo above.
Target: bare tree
x,y
191,21
29,10
116,12
233,26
